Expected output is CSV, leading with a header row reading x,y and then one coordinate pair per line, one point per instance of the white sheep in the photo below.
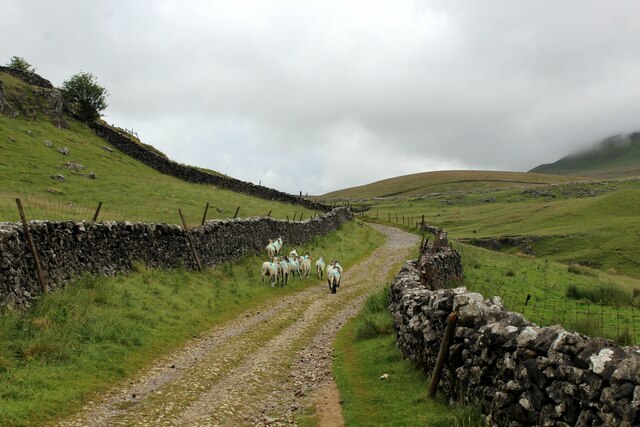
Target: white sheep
x,y
271,250
294,267
283,271
270,270
305,265
277,243
320,267
333,277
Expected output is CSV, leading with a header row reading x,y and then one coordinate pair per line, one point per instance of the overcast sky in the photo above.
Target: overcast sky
x,y
317,96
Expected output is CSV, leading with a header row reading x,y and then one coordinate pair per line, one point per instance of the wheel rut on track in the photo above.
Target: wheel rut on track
x,y
261,368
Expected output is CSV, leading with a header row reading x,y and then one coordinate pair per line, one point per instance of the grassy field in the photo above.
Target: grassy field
x,y
365,350
100,330
590,301
129,190
444,181
595,224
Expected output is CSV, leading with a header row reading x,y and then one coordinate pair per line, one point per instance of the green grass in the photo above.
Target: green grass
x,y
595,224
129,190
98,331
365,349
593,302
424,183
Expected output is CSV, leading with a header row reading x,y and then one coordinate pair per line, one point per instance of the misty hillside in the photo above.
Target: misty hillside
x,y
613,157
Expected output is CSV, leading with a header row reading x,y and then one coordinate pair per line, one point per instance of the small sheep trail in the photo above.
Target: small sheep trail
x,y
261,368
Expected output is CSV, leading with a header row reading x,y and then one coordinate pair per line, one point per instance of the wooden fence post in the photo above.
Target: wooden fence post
x,y
193,248
443,353
236,215
289,229
294,215
34,253
204,216
95,215
269,214
301,214
422,221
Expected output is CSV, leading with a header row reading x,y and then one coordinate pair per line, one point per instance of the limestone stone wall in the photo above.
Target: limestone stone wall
x,y
520,373
68,249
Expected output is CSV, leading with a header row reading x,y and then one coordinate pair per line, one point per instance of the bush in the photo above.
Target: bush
x,y
84,97
20,64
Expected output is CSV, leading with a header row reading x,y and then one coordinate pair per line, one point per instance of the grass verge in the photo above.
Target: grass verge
x,y
98,331
365,350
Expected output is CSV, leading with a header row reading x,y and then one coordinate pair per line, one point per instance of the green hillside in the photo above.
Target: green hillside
x,y
444,181
30,160
614,157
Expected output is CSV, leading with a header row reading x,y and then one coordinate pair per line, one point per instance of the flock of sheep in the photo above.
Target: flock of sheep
x,y
277,270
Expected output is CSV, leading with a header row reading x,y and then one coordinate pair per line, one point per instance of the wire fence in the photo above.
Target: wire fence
x,y
616,322
37,207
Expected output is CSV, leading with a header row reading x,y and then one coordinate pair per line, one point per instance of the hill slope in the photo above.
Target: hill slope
x,y
614,157
54,185
444,181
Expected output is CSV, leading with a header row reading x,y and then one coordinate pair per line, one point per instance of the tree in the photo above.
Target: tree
x,y
20,64
84,97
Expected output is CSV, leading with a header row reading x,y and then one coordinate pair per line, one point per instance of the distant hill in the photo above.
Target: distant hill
x,y
444,181
614,157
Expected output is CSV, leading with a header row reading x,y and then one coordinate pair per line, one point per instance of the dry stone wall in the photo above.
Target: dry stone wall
x,y
68,249
191,174
520,373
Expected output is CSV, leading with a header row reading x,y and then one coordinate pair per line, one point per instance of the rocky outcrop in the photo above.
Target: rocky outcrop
x,y
31,78
520,373
40,98
68,249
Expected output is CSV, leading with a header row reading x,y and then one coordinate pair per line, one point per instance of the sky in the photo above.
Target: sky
x,y
316,96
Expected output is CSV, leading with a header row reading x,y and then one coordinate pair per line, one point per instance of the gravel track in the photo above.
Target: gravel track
x,y
259,369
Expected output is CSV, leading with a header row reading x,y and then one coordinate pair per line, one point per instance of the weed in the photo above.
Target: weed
x,y
607,294
579,269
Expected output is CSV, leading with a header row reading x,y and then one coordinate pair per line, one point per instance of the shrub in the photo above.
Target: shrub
x,y
84,97
20,64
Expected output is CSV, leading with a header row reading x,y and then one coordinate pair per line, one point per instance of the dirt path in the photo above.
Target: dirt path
x,y
259,369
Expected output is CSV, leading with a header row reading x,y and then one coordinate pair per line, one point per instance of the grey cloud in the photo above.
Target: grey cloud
x,y
264,92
